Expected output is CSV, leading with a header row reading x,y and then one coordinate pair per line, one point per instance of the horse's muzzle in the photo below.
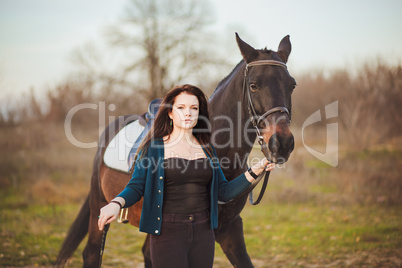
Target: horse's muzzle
x,y
280,147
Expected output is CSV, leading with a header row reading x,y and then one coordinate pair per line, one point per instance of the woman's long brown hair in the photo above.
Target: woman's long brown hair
x,y
162,127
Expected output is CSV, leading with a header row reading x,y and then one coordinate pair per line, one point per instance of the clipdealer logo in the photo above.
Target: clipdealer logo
x,y
330,156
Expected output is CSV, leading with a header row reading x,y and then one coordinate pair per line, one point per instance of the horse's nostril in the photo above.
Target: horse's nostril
x,y
291,145
274,144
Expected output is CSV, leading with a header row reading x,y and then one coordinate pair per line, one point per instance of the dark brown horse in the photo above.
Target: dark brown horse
x,y
253,100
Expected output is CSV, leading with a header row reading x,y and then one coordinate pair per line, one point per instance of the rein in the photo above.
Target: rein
x,y
103,242
253,115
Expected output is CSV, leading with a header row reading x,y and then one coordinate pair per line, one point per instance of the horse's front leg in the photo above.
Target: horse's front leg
x,y
146,252
231,239
91,253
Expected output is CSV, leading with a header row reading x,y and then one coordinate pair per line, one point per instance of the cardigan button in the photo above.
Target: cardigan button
x,y
159,191
159,219
161,178
156,231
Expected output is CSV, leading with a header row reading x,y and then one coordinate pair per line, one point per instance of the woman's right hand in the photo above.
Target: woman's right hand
x,y
108,213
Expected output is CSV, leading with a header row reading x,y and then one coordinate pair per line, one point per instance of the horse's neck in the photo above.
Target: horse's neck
x,y
229,116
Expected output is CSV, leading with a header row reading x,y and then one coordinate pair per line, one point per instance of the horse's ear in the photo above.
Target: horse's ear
x,y
248,52
284,48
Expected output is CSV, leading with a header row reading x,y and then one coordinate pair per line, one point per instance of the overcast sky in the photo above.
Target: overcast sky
x,y
37,37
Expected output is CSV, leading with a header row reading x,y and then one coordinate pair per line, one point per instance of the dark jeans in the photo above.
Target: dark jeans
x,y
186,241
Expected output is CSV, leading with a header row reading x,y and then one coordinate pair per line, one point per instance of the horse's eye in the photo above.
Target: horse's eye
x,y
253,87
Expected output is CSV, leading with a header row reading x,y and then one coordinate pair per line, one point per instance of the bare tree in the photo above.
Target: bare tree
x,y
165,43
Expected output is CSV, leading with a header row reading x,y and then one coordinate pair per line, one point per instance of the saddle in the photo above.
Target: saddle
x,y
121,150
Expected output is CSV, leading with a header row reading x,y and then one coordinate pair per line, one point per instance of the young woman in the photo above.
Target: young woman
x,y
178,174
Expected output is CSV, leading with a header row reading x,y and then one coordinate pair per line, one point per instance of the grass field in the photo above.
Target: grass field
x,y
279,235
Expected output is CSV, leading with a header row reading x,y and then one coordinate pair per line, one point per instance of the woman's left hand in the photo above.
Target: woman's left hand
x,y
262,165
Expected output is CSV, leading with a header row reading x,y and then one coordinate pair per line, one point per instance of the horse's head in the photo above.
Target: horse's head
x,y
268,87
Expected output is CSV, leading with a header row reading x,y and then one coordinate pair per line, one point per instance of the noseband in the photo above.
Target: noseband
x,y
253,114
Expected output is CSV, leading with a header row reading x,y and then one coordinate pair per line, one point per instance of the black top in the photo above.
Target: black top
x,y
186,185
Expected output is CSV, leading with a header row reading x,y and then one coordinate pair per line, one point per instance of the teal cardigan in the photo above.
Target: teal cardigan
x,y
148,180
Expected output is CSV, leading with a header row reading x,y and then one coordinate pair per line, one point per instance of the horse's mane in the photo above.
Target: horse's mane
x,y
264,50
227,77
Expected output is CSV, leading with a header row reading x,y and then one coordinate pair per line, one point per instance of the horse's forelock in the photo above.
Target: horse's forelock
x,y
266,50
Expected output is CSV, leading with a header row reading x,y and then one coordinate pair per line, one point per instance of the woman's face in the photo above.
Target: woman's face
x,y
185,111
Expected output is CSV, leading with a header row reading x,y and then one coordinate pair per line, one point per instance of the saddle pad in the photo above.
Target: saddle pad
x,y
117,151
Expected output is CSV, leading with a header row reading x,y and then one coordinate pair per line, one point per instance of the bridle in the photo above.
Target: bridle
x,y
253,115
250,105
